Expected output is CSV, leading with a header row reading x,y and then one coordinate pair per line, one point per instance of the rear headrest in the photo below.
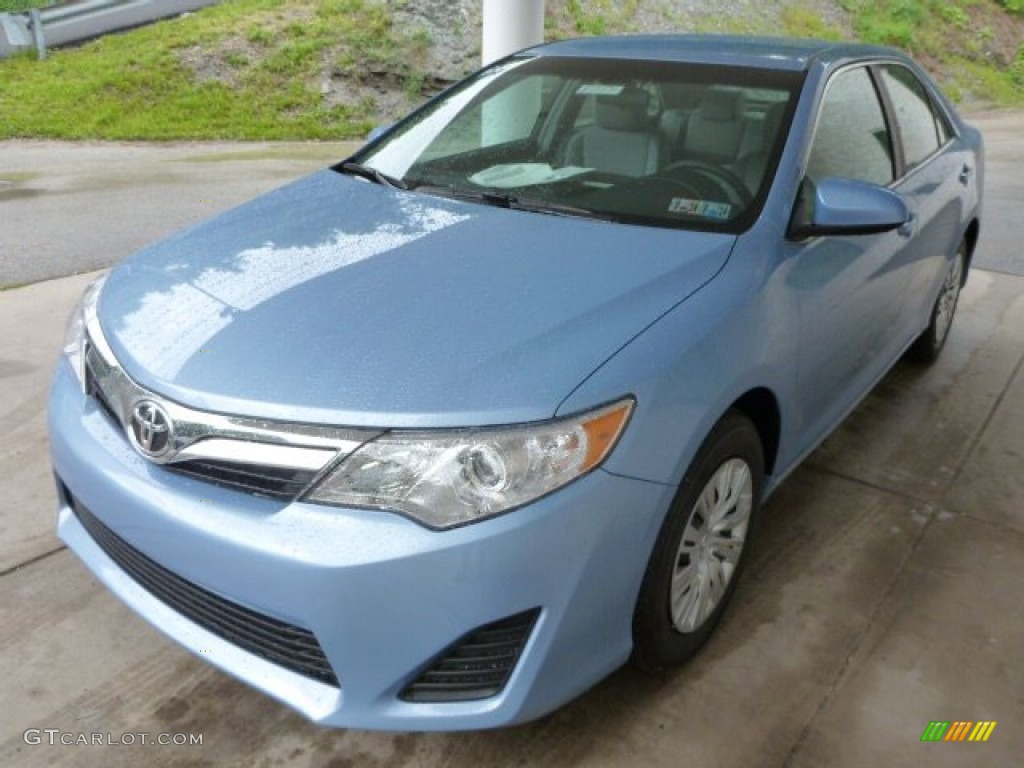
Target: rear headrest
x,y
625,111
722,105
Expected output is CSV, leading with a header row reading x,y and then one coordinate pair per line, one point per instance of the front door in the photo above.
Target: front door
x,y
849,289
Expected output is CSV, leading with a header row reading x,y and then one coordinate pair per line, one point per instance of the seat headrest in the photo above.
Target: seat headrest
x,y
722,105
624,111
672,124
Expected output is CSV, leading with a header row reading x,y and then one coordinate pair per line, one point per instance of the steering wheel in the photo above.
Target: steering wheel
x,y
724,179
689,189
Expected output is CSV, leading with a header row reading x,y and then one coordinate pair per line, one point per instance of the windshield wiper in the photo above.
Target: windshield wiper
x,y
536,205
371,174
507,200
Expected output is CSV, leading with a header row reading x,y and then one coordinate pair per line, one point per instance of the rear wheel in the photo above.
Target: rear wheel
x,y
928,345
697,558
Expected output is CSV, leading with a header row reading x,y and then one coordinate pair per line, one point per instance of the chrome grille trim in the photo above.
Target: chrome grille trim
x,y
206,438
262,454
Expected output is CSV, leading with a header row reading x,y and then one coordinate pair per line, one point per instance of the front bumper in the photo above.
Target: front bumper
x,y
382,595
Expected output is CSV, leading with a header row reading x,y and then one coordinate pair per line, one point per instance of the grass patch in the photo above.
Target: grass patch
x,y
588,18
588,23
974,78
971,44
803,21
248,69
14,6
18,177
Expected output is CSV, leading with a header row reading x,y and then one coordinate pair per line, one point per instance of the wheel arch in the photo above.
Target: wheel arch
x,y
971,241
762,408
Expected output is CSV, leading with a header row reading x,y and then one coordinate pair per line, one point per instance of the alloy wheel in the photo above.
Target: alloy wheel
x,y
948,299
711,545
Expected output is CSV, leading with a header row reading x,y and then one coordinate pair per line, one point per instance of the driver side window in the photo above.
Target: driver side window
x,y
852,139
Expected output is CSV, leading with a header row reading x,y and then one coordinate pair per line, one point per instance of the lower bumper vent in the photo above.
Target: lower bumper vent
x,y
286,645
477,666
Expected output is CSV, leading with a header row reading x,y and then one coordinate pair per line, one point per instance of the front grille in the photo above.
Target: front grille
x,y
93,388
476,667
286,645
261,480
114,392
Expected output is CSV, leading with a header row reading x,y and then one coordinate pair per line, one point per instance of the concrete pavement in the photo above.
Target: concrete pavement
x,y
69,207
884,591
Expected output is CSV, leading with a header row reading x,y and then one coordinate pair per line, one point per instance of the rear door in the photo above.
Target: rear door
x,y
935,180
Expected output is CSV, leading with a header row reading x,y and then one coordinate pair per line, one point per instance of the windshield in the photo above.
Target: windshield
x,y
662,144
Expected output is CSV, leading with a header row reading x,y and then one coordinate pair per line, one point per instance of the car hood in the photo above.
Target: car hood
x,y
337,301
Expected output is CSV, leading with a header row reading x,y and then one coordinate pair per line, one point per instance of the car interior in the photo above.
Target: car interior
x,y
630,149
642,131
622,137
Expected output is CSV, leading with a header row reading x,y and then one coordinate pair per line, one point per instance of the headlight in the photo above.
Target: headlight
x,y
74,336
447,478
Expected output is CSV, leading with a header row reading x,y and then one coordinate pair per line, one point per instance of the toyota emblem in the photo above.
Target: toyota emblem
x,y
151,428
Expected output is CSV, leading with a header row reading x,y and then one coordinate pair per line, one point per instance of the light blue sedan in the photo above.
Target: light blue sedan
x,y
439,437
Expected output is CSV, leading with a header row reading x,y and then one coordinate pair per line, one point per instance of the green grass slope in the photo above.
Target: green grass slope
x,y
245,69
298,69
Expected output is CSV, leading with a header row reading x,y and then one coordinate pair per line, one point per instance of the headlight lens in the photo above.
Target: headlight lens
x,y
448,478
74,335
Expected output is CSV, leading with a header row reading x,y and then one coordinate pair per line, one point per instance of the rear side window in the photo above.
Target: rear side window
x,y
852,140
922,129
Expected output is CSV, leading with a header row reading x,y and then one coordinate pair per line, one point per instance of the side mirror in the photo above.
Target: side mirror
x,y
377,132
845,207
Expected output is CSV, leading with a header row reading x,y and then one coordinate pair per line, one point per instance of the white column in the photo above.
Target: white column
x,y
510,25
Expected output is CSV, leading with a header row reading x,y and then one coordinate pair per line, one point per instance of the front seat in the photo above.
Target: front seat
x,y
621,140
715,130
751,166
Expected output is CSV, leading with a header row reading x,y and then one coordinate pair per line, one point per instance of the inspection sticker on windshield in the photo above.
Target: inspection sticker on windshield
x,y
700,208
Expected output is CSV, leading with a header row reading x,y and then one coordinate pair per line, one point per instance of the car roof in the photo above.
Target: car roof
x,y
785,53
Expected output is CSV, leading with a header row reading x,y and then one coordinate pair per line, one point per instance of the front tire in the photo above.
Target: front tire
x,y
697,557
928,345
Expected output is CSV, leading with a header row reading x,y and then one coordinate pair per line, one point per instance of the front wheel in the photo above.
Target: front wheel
x,y
928,345
692,573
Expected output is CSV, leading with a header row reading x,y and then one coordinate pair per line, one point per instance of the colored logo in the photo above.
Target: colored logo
x,y
958,730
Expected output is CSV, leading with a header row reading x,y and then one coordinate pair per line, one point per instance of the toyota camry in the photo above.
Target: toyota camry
x,y
440,436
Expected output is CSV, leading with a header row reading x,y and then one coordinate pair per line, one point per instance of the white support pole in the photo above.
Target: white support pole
x,y
510,25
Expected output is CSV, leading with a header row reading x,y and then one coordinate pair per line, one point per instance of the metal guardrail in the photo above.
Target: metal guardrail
x,y
77,21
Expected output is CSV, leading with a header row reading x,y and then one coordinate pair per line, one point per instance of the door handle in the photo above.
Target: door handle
x,y
965,174
906,229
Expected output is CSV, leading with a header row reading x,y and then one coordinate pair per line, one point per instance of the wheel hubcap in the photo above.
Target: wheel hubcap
x,y
947,300
711,545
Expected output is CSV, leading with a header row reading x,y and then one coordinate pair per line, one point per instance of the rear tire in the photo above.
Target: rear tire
x,y
928,345
697,557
